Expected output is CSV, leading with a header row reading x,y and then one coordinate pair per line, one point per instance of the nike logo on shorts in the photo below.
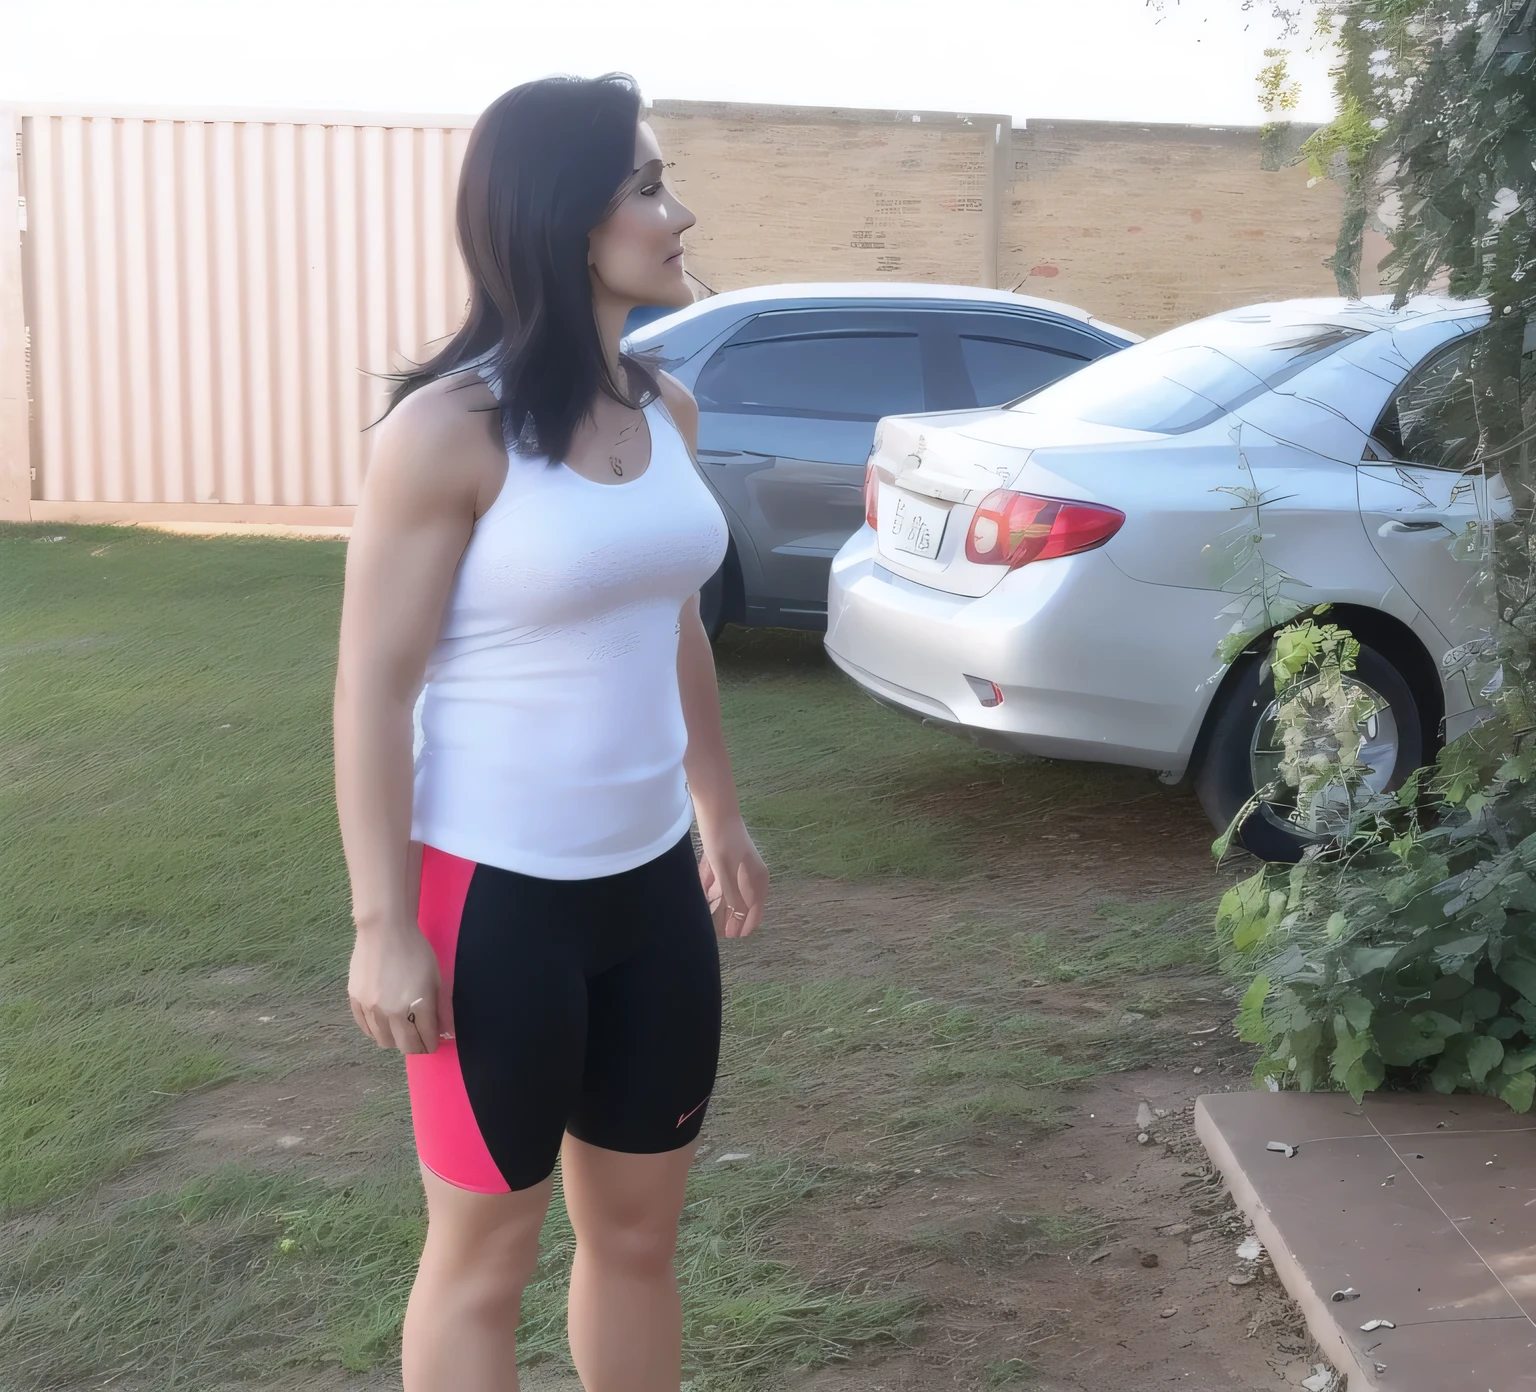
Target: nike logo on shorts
x,y
686,1115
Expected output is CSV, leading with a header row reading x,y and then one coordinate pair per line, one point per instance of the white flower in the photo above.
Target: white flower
x,y
1505,203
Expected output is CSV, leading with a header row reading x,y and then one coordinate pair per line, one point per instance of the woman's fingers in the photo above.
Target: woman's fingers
x,y
719,910
378,1027
737,909
752,882
413,1030
359,1015
421,1027
714,895
403,1033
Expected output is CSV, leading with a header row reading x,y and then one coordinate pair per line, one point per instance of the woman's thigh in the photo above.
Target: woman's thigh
x,y
653,1017
490,1105
625,1207
473,1234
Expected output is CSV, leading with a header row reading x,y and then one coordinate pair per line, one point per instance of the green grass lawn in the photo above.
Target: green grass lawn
x,y
170,817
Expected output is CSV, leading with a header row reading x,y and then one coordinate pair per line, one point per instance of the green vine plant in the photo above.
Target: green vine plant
x,y
1400,952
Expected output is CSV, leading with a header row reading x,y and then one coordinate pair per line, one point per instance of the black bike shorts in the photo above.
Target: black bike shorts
x,y
589,1006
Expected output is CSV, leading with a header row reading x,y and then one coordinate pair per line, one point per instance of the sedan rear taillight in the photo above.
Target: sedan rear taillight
x,y
871,496
1013,529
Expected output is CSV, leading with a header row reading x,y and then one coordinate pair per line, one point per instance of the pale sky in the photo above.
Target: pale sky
x,y
1108,60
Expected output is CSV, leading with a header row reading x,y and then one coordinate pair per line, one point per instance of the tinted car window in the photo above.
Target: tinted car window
x,y
1188,377
1001,370
1432,418
851,376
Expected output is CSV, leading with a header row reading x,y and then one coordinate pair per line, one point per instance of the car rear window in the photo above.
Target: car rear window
x,y
1000,369
848,376
1188,377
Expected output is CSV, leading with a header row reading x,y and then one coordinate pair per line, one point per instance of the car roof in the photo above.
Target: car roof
x,y
1368,312
810,291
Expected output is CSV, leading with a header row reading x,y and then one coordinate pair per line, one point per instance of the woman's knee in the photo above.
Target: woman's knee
x,y
487,1248
640,1246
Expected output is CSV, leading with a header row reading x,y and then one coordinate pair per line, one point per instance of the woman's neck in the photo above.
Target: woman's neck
x,y
611,318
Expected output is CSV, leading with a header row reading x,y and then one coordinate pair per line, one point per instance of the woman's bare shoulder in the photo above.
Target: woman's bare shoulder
x,y
442,442
680,405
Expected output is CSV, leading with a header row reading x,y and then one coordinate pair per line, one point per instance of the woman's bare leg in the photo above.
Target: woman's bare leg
x,y
625,1317
461,1323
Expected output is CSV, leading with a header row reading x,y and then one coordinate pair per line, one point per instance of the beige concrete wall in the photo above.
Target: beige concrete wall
x,y
205,291
789,193
1147,226
1152,226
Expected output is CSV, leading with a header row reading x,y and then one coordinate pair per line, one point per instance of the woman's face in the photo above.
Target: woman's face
x,y
636,252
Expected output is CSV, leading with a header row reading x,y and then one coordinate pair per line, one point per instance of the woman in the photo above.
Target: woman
x,y
534,933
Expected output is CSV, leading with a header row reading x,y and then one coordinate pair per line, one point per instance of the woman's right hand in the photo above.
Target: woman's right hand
x,y
394,988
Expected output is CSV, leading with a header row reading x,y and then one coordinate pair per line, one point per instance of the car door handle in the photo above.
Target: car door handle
x,y
1400,527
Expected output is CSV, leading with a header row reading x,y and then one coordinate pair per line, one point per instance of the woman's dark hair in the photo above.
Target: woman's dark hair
x,y
543,167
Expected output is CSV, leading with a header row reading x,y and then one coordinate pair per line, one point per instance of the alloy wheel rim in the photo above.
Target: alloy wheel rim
x,y
1380,745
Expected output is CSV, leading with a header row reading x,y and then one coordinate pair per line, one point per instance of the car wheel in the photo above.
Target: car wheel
x,y
1243,754
712,601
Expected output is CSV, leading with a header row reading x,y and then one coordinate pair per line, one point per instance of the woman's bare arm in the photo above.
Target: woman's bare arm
x,y
732,870
413,518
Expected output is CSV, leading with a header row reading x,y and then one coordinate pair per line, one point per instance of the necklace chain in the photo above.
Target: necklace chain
x,y
614,462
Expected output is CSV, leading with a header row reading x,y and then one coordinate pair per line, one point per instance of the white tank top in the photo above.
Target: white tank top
x,y
549,731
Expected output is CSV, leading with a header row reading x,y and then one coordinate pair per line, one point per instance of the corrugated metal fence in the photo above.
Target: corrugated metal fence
x,y
203,298
197,297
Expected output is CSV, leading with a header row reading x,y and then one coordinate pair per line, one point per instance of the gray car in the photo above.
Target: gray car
x,y
790,381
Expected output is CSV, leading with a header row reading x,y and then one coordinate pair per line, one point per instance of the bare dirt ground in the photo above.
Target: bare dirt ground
x,y
1137,1294
1068,1255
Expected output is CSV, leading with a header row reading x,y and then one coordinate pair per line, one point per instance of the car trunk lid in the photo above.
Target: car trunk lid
x,y
933,471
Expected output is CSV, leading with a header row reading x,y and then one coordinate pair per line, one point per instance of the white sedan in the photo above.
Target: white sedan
x,y
1053,577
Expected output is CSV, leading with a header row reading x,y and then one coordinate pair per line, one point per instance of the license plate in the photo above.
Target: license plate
x,y
914,525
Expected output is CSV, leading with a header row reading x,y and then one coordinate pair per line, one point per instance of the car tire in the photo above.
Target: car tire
x,y
1225,779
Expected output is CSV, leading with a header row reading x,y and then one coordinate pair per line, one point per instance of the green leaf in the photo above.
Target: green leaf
x,y
1402,1039
1453,953
1364,960
1519,1091
1450,1075
1482,1003
1449,988
1244,912
1483,1057
1250,1012
1350,1049
1506,1027
1409,794
1521,974
1364,1076
1305,1045
1357,1010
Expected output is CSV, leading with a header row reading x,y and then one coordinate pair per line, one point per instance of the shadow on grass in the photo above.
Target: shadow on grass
x,y
835,784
